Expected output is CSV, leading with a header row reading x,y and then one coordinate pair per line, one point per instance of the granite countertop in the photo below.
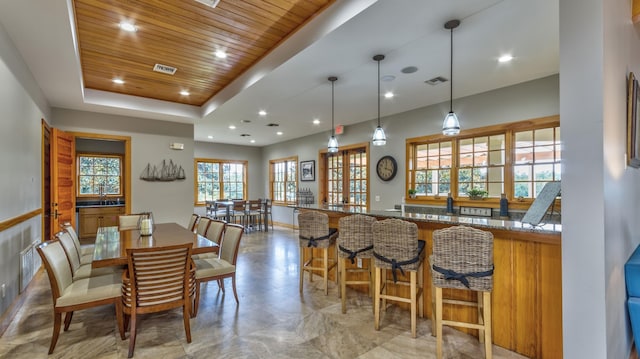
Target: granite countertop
x,y
480,222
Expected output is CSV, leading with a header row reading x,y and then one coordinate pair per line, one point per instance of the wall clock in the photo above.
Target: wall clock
x,y
387,168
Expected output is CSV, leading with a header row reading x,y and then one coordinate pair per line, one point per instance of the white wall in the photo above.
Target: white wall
x,y
22,106
150,139
599,46
533,99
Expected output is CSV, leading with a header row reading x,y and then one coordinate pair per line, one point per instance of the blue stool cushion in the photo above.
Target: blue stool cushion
x,y
632,274
633,305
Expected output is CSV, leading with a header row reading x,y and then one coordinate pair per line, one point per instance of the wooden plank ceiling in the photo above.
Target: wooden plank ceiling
x,y
183,34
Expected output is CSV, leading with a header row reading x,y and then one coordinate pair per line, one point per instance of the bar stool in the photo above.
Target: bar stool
x,y
354,242
463,259
315,233
396,247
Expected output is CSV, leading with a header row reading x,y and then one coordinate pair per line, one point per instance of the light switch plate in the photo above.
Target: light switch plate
x,y
475,211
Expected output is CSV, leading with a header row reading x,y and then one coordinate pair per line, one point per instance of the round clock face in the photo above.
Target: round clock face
x,y
387,168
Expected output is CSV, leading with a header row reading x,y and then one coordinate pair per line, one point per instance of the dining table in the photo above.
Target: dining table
x,y
111,243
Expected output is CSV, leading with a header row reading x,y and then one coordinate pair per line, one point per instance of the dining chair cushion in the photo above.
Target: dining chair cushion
x,y
209,267
87,271
57,258
70,250
90,290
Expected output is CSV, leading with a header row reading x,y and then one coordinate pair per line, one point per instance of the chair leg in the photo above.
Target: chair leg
x,y
480,316
185,318
67,320
132,334
488,341
57,320
438,323
414,303
376,299
325,270
196,301
421,289
301,267
119,319
233,284
342,268
434,322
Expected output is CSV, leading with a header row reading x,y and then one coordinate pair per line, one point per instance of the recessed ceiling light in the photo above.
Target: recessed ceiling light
x,y
118,81
253,141
128,27
387,78
232,127
316,121
279,133
221,54
184,93
505,58
262,113
388,94
210,137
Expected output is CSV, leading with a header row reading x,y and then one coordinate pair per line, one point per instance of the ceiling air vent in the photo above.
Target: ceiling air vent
x,y
436,80
272,125
169,70
210,3
245,135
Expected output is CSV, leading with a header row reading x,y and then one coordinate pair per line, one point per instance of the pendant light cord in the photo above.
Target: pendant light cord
x,y
451,75
378,93
332,110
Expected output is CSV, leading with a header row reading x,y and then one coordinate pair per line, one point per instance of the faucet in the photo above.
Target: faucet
x,y
102,195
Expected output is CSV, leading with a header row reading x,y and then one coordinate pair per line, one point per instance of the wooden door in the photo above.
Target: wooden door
x,y
62,179
46,181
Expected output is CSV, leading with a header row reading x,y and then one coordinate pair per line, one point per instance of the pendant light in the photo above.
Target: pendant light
x,y
379,138
451,126
332,147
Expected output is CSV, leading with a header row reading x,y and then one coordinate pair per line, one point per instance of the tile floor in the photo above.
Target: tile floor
x,y
272,321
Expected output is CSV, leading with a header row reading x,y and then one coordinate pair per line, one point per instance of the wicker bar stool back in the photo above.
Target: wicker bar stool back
x,y
462,259
355,242
396,248
316,236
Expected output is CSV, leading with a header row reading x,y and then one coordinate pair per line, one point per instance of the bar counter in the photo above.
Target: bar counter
x,y
527,289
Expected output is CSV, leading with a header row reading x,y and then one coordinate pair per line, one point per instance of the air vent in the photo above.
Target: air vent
x,y
210,3
436,80
272,125
245,121
169,70
245,135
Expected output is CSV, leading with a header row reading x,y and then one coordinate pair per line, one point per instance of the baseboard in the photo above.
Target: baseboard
x,y
286,225
8,315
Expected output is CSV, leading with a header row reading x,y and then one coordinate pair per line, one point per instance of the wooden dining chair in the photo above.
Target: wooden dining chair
x,y
70,295
84,250
78,269
157,279
203,226
214,233
193,221
208,269
128,221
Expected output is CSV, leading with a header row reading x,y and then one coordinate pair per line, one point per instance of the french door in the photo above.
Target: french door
x,y
346,178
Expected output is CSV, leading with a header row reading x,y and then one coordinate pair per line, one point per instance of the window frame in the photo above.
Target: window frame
x,y
509,130
99,155
272,176
245,176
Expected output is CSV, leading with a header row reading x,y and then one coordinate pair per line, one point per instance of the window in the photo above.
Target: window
x,y
433,168
517,159
283,178
220,179
537,160
99,174
481,164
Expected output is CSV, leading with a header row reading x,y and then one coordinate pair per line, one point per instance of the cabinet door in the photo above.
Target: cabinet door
x,y
89,224
110,216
